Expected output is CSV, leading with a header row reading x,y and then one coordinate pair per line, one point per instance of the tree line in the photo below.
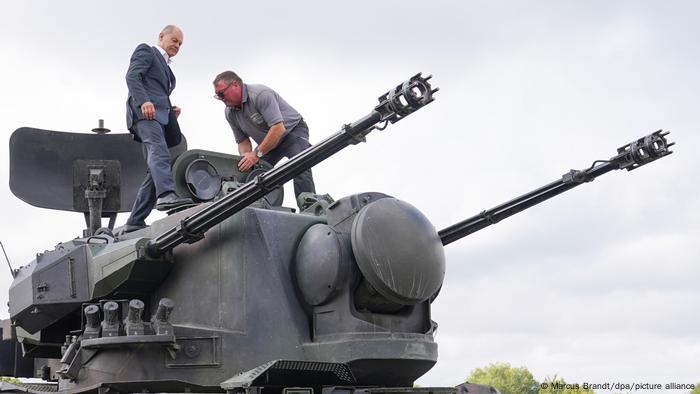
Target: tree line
x,y
518,380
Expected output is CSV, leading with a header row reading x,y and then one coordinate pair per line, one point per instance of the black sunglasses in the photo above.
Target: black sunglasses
x,y
220,95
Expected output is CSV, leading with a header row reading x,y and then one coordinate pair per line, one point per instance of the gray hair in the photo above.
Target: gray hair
x,y
169,29
228,76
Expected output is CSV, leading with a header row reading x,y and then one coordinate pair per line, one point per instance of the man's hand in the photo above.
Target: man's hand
x,y
148,110
176,110
248,161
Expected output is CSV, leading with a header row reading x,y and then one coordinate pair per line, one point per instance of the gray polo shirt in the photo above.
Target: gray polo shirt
x,y
261,107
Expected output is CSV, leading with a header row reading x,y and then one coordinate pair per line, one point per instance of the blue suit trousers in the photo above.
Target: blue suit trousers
x,y
159,177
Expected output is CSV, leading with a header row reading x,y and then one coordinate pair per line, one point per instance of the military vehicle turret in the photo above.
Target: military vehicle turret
x,y
237,293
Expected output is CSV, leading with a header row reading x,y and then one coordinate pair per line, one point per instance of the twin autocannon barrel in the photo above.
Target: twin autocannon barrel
x,y
629,157
393,106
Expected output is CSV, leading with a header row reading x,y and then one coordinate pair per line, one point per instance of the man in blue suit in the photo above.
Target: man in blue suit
x,y
152,119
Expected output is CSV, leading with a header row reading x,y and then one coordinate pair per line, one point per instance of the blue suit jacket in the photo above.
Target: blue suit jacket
x,y
150,79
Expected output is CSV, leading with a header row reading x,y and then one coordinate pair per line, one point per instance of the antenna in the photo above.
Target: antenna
x,y
101,128
12,271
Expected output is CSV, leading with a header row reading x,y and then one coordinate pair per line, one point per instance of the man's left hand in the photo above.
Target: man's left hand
x,y
176,110
248,161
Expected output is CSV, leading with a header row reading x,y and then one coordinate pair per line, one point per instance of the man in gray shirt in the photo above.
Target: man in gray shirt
x,y
258,112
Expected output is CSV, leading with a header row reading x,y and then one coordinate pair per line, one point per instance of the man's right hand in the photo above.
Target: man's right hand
x,y
247,161
148,110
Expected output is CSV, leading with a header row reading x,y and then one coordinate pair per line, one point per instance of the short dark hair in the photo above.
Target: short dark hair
x,y
228,76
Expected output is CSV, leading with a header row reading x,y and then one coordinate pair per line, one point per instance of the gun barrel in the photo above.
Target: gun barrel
x,y
393,106
629,157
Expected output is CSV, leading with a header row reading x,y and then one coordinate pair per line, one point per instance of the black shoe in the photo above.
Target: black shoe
x,y
133,227
128,228
170,201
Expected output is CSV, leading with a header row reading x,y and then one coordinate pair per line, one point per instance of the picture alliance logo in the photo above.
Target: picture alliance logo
x,y
559,385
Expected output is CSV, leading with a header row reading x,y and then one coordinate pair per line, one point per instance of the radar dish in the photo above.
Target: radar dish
x,y
47,167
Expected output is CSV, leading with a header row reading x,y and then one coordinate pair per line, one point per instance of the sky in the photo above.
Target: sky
x,y
600,284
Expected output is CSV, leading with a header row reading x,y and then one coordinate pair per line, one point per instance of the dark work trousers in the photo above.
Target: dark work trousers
x,y
291,145
159,177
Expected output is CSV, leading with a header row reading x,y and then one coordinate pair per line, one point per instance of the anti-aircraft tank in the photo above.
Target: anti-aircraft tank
x,y
237,293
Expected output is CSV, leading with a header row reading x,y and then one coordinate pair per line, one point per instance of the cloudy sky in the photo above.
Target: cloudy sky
x,y
600,284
